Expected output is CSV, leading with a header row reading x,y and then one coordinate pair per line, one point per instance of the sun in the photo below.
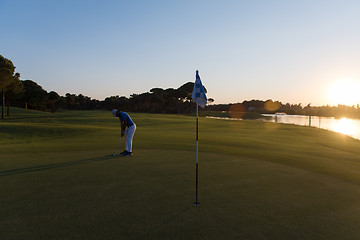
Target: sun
x,y
345,92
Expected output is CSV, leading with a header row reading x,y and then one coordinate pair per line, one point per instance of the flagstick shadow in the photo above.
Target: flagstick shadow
x,y
51,166
165,222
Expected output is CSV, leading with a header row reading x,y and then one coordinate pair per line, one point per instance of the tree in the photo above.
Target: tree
x,y
34,96
53,98
211,100
6,74
13,90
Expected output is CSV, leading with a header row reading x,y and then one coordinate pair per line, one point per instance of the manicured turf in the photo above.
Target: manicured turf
x,y
257,180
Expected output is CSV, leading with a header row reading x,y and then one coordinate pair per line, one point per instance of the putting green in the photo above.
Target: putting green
x,y
257,180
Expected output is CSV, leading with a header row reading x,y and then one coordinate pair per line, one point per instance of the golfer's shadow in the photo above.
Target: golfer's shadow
x,y
51,166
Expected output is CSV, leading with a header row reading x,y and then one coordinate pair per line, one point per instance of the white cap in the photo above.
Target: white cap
x,y
114,111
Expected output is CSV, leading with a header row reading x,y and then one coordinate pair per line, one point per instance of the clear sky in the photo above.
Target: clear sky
x,y
296,51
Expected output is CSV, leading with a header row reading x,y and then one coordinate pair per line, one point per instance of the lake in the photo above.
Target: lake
x,y
350,127
347,126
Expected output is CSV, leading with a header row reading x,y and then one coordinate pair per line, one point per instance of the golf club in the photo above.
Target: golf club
x,y
116,147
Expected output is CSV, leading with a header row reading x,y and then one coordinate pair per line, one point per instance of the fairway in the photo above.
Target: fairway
x,y
257,180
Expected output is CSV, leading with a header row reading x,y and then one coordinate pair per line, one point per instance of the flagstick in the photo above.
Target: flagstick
x,y
197,154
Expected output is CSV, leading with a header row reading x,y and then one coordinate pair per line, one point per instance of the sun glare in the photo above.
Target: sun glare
x,y
346,92
345,126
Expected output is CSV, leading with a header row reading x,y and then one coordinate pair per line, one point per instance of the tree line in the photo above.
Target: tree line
x,y
28,94
33,96
271,107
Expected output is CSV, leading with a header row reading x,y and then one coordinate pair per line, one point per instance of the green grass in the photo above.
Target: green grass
x,y
257,180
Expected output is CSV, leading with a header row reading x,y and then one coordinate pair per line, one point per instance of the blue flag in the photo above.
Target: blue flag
x,y
198,94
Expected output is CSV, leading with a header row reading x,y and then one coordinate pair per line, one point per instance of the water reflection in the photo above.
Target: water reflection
x,y
346,126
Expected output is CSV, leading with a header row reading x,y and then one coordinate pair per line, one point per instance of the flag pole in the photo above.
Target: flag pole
x,y
198,95
197,155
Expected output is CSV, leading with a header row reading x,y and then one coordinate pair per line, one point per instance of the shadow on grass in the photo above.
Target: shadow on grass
x,y
160,227
51,166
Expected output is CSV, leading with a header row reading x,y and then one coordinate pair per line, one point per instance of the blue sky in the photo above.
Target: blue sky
x,y
291,51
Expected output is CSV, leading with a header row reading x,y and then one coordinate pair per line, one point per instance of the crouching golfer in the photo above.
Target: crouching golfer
x,y
126,122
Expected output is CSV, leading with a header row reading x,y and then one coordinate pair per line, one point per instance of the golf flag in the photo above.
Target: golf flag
x,y
199,97
198,94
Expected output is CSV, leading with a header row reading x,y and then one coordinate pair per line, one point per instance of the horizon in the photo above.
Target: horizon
x,y
291,52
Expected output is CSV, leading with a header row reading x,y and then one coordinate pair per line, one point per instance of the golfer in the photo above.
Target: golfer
x,y
130,127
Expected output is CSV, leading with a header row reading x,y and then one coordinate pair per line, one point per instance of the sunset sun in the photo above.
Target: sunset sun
x,y
345,92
